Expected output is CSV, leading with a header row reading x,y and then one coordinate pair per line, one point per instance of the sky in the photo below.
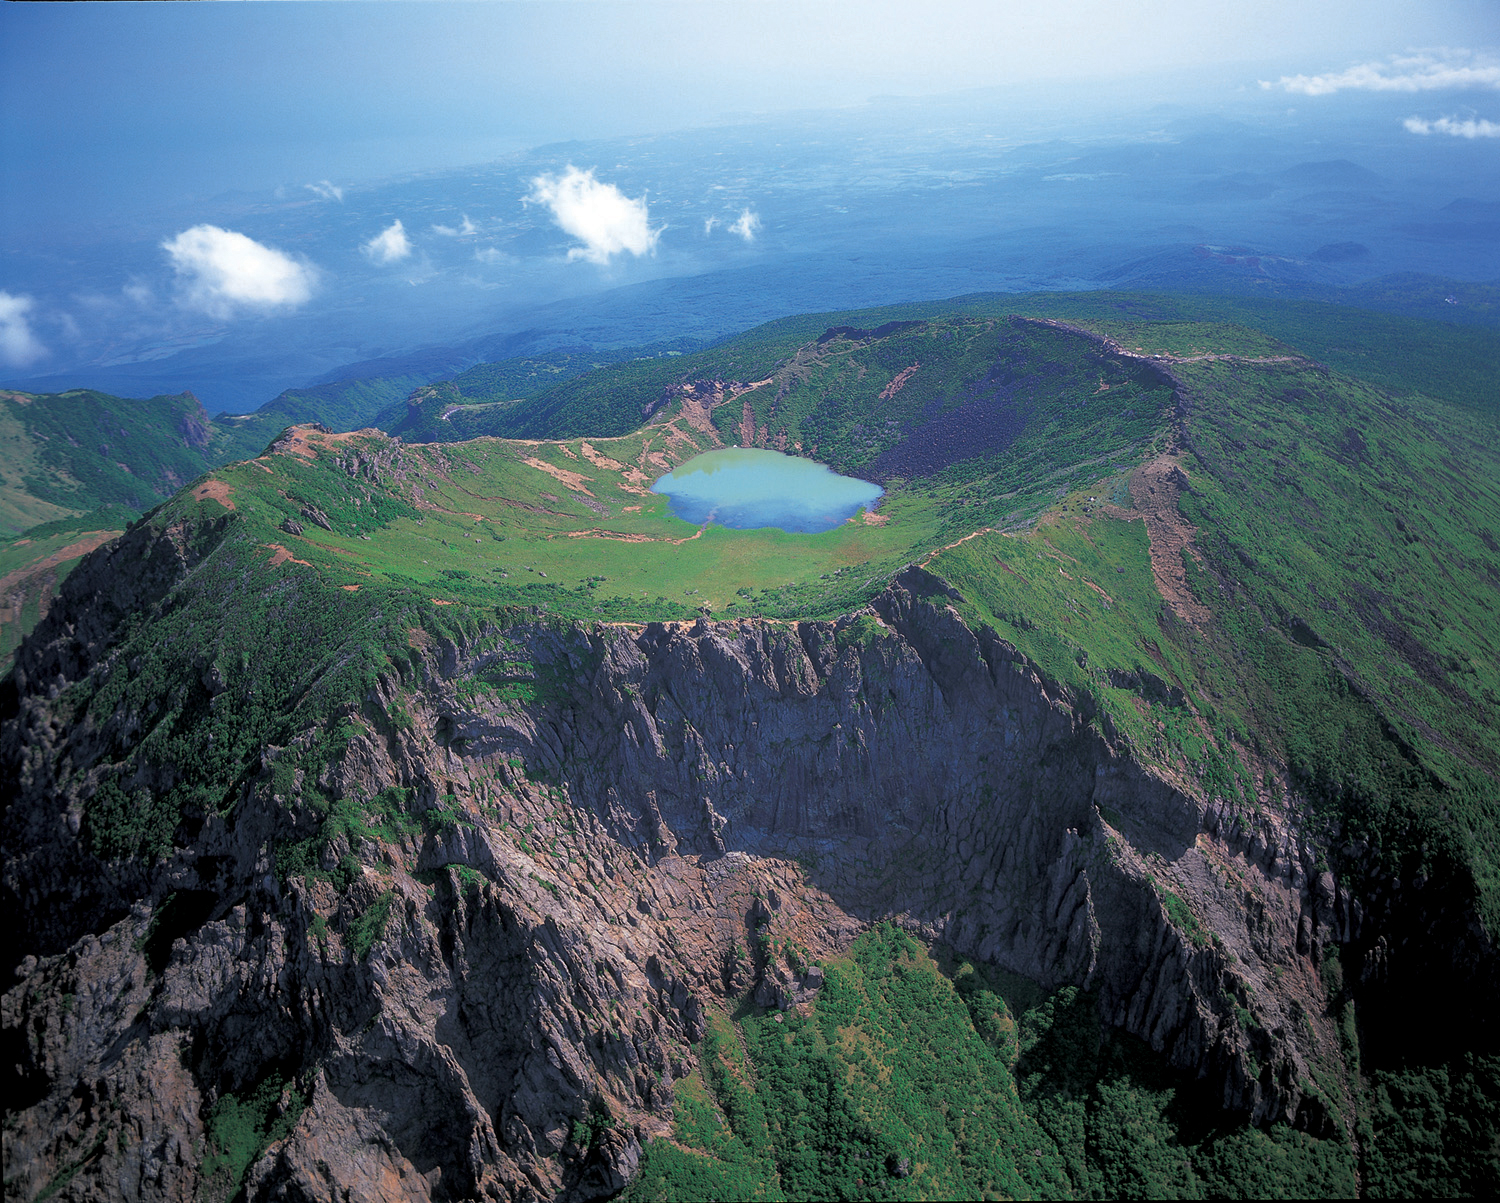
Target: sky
x,y
126,129
109,107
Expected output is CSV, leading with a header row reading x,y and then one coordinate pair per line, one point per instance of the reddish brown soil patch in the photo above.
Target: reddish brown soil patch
x,y
1155,487
897,384
280,555
698,411
599,460
596,533
747,426
571,479
215,489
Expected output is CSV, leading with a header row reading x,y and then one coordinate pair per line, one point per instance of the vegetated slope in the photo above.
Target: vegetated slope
x,y
452,411
1404,354
343,405
32,568
608,391
75,468
71,453
466,878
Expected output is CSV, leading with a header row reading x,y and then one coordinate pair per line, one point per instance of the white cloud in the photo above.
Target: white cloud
x,y
391,245
18,345
326,190
599,215
1469,127
455,231
222,270
489,254
1425,71
709,223
746,225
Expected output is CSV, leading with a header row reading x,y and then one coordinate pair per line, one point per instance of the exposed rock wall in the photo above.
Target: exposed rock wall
x,y
616,857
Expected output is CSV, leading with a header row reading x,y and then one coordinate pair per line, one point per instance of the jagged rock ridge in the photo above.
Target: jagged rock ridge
x,y
604,855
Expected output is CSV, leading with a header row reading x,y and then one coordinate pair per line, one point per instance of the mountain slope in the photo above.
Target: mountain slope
x,y
74,452
378,797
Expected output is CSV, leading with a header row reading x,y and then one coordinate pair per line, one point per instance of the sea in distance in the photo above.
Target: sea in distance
x,y
745,488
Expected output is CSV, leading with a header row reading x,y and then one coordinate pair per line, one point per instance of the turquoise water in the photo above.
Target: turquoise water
x,y
747,488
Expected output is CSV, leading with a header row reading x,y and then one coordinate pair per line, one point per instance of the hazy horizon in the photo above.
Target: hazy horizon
x,y
260,192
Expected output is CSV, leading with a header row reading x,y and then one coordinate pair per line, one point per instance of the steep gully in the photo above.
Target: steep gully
x,y
551,951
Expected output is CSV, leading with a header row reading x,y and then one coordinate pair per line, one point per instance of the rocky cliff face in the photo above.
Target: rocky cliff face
x,y
492,994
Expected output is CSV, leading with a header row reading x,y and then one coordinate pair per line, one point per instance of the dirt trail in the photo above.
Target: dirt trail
x,y
1104,342
932,555
1155,487
618,536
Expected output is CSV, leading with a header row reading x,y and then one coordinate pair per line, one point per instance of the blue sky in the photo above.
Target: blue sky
x,y
110,106
193,185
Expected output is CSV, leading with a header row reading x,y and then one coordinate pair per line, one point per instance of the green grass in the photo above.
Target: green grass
x,y
240,1127
369,926
888,1091
494,530
911,1081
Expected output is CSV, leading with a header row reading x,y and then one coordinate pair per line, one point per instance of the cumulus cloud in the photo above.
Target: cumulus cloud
x,y
18,345
1468,127
391,245
468,227
1425,71
223,270
746,225
599,215
326,190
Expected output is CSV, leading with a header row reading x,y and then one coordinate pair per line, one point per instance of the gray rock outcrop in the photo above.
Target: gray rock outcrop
x,y
585,875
